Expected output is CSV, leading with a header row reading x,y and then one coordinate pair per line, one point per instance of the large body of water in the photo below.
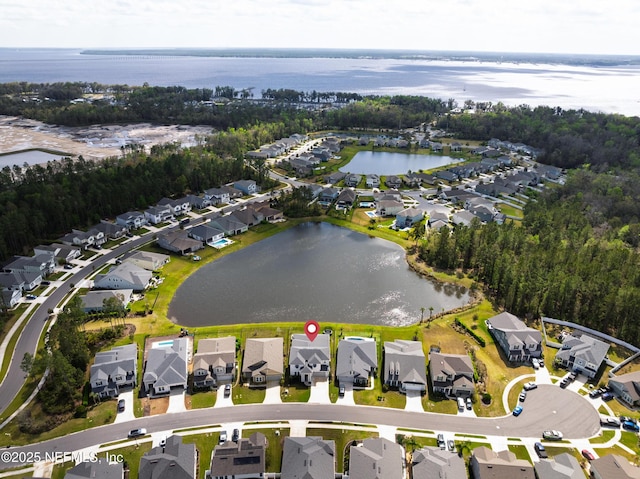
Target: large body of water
x,y
312,271
31,157
389,163
607,84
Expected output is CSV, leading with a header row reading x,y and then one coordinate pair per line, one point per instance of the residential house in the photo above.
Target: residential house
x,y
463,217
627,387
124,276
412,180
562,466
456,146
178,207
447,175
457,195
394,182
451,374
435,463
352,180
110,230
205,233
198,202
437,216
96,301
244,459
178,241
114,370
436,147
324,154
10,298
233,192
146,259
346,198
263,360
248,187
613,466
387,195
158,214
389,207
62,253
166,367
328,195
19,281
409,217
376,458
132,220
309,360
229,225
364,140
174,460
519,342
217,196
372,181
487,464
405,365
308,458
215,361
334,177
84,239
270,214
249,216
100,468
357,361
582,354
549,172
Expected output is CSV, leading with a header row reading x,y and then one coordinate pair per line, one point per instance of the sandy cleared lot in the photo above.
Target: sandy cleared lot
x,y
94,142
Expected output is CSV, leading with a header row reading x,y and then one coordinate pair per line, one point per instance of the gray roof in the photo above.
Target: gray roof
x,y
94,300
247,456
308,458
263,356
500,465
135,276
357,357
120,358
303,350
517,332
215,352
613,466
407,358
562,466
377,458
205,232
629,383
584,347
143,258
167,366
435,463
96,470
175,461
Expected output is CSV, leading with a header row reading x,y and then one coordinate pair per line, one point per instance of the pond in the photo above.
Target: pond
x,y
312,271
31,157
387,163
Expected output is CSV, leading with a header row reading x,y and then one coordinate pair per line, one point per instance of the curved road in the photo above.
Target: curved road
x,y
547,407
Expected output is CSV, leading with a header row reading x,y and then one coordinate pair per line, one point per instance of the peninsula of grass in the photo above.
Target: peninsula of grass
x,y
11,345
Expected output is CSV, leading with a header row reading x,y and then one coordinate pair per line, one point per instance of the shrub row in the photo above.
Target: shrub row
x,y
471,332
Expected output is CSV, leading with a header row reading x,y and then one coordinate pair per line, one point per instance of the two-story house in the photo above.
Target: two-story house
x,y
215,362
451,374
519,342
309,360
582,354
114,370
357,361
405,365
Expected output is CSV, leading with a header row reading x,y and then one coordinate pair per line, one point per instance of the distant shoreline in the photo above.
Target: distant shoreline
x,y
466,56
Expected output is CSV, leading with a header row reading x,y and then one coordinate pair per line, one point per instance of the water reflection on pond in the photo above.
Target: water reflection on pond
x,y
312,271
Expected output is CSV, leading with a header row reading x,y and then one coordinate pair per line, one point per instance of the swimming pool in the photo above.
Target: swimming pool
x,y
221,243
371,214
162,344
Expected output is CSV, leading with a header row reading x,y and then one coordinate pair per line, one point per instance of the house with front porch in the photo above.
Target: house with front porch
x,y
309,360
518,342
132,220
40,264
217,196
215,362
405,365
179,207
582,354
451,374
372,181
110,230
352,180
114,370
357,361
84,239
62,253
158,214
394,182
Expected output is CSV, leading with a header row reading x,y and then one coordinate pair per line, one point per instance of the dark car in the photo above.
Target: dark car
x,y
137,432
341,391
523,396
540,450
564,383
121,405
68,266
607,396
595,393
227,390
236,435
630,426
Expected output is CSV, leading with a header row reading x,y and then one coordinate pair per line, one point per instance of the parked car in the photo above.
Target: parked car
x,y
552,435
121,404
588,454
572,376
609,421
451,445
529,386
31,296
461,405
535,363
441,442
236,435
341,391
630,426
45,283
68,266
540,450
517,410
607,396
522,396
137,432
595,393
469,404
223,437
564,383
227,390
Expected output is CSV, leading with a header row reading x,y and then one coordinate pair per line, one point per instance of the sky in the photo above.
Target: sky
x,y
545,26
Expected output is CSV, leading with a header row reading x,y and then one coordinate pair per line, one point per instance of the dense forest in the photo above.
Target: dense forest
x,y
575,256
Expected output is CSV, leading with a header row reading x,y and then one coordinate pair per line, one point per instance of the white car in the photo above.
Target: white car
x,y
529,386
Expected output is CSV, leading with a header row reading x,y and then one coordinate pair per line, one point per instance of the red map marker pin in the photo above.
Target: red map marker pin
x,y
311,329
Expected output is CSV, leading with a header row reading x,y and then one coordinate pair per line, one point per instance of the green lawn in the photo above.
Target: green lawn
x,y
295,392
343,439
246,395
131,456
202,399
275,443
520,452
204,444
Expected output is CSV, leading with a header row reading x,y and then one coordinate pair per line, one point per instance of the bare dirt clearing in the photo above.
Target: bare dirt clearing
x,y
93,142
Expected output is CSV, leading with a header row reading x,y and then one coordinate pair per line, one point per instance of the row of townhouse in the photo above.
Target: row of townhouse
x,y
277,148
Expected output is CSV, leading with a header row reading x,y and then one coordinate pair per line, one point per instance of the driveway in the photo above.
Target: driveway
x,y
222,401
414,402
176,401
127,414
272,394
347,399
320,392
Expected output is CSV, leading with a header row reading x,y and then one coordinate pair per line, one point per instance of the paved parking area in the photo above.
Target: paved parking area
x,y
320,392
176,401
347,399
272,394
414,402
222,401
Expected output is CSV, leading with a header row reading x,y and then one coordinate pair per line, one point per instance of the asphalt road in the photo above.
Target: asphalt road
x,y
547,407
